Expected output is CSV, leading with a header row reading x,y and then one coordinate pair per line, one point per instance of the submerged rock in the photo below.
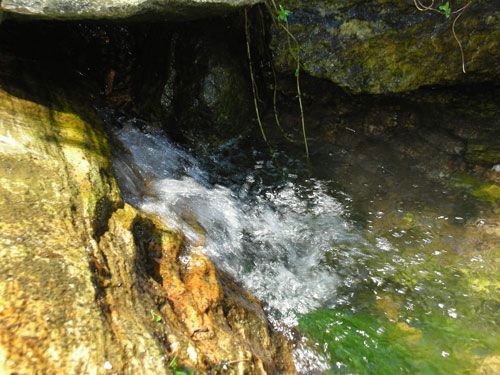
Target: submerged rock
x,y
484,152
121,9
87,283
386,46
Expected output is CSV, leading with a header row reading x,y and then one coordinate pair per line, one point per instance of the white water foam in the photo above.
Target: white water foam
x,y
274,243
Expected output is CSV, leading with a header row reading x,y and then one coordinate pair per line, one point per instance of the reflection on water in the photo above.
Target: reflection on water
x,y
384,271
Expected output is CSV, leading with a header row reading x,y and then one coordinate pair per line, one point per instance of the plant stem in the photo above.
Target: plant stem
x,y
299,93
456,38
249,55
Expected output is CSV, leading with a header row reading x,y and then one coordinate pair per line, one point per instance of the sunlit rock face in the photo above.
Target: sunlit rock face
x,y
122,9
382,46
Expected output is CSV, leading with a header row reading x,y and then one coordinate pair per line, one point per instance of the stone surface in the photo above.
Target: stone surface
x,y
381,46
485,153
208,91
121,9
88,285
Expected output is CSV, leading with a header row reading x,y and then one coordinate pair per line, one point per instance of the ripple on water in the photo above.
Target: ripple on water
x,y
401,272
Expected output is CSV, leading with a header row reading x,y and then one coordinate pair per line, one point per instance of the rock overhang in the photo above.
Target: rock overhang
x,y
120,10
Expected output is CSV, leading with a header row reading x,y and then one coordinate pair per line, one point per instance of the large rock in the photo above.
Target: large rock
x,y
380,46
88,285
208,91
121,9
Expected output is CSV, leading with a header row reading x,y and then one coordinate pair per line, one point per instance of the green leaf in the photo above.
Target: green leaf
x,y
173,363
297,72
446,9
283,13
155,317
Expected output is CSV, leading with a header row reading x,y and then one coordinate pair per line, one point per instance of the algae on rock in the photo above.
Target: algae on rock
x,y
383,46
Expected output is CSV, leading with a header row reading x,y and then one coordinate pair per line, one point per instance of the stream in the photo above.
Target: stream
x,y
381,269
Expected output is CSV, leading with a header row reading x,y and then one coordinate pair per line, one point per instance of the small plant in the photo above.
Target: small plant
x,y
445,9
283,13
295,53
155,317
280,19
175,368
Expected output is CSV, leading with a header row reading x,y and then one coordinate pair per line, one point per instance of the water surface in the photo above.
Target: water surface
x,y
383,270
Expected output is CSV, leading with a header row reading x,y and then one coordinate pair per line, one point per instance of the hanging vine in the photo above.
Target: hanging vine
x,y
279,18
447,12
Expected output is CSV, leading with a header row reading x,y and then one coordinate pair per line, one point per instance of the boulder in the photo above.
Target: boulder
x,y
207,92
121,9
383,46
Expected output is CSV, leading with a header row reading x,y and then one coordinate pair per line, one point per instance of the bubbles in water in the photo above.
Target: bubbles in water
x,y
272,239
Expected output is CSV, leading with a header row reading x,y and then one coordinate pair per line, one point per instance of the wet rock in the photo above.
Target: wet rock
x,y
223,323
121,9
87,283
389,46
485,152
443,141
208,91
490,366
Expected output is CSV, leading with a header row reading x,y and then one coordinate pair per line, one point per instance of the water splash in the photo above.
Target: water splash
x,y
272,239
274,243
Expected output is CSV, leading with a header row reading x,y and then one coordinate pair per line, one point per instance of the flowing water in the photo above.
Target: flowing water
x,y
381,270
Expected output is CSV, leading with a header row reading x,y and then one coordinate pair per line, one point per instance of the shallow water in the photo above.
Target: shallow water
x,y
381,269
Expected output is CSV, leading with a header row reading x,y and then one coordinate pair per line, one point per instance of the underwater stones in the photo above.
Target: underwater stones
x,y
490,366
484,191
486,152
150,10
389,46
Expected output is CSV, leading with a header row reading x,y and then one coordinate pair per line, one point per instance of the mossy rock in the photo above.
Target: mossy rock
x,y
485,153
383,46
487,192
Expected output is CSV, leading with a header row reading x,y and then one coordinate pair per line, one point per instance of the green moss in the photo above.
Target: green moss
x,y
483,153
387,45
487,192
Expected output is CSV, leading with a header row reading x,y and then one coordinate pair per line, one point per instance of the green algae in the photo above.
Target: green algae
x,y
484,191
422,308
423,303
483,153
366,344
